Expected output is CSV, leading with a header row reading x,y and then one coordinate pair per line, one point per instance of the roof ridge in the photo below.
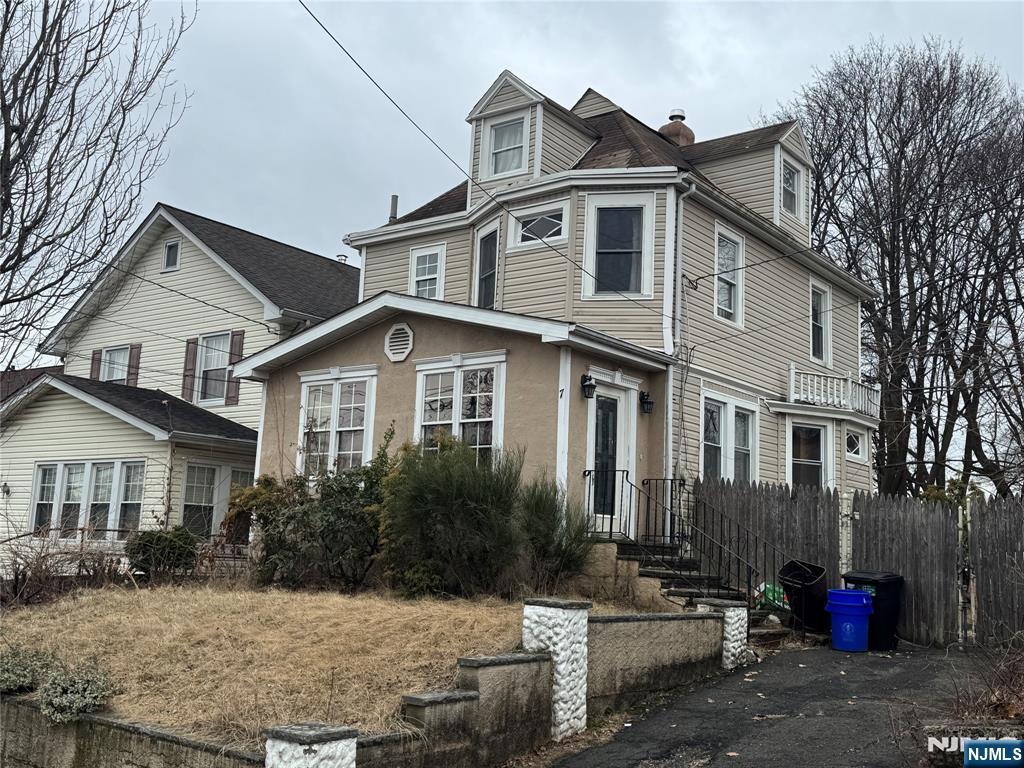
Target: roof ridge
x,y
249,232
742,133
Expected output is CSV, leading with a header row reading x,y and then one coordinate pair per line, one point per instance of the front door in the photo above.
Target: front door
x,y
606,464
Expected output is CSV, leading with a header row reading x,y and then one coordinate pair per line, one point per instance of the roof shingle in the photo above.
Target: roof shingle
x,y
736,143
452,201
290,277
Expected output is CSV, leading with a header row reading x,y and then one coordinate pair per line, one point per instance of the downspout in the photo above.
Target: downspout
x,y
678,331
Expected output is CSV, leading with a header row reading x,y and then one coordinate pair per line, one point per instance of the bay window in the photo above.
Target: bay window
x,y
537,225
337,419
619,253
807,455
728,439
462,397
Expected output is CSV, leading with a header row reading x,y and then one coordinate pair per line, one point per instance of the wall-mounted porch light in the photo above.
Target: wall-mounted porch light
x,y
646,403
588,385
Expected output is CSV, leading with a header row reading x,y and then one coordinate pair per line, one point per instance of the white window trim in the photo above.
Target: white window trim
x,y
727,468
645,200
515,226
221,490
458,363
127,360
481,233
787,159
114,515
163,255
817,285
200,358
485,143
441,250
335,376
828,448
741,260
862,457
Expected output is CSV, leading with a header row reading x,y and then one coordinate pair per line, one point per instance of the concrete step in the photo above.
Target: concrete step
x,y
675,578
691,593
769,637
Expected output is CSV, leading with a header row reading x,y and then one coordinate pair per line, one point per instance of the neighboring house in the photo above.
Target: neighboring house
x,y
145,425
551,305
12,379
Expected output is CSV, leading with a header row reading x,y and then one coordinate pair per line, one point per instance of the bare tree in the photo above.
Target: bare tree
x,y
86,104
918,191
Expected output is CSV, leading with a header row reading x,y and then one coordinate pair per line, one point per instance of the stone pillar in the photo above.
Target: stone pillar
x,y
734,629
310,745
559,627
845,532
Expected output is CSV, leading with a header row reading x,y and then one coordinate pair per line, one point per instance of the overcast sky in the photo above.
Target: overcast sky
x,y
284,136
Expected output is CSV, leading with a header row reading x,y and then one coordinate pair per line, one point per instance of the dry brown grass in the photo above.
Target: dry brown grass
x,y
223,664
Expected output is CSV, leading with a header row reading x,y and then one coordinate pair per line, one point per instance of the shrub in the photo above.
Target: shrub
x,y
555,531
71,691
449,521
160,553
331,537
23,670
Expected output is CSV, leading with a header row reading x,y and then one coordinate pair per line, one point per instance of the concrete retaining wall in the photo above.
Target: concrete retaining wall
x,y
29,740
631,656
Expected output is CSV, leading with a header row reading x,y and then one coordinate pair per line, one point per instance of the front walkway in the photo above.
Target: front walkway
x,y
798,708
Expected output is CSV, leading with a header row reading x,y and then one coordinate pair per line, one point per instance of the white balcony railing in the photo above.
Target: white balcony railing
x,y
833,391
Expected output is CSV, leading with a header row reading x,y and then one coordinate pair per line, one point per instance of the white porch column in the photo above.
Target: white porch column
x,y
559,627
311,745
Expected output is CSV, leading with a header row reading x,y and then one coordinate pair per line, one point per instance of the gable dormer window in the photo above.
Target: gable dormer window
x,y
791,189
171,255
504,151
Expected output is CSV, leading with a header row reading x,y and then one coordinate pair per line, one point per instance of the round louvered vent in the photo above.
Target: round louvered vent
x,y
398,342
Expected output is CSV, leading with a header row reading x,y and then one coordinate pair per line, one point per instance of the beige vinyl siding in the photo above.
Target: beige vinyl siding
x,y
798,228
387,264
639,320
58,427
750,178
775,297
153,312
561,144
593,104
476,193
533,280
506,97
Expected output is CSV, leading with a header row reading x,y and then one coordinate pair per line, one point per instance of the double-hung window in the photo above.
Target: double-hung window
x,y
103,497
114,365
729,434
426,271
506,145
808,465
728,275
821,324
791,189
200,499
463,398
486,267
213,366
620,245
337,418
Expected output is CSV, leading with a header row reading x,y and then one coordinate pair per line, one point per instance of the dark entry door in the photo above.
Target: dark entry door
x,y
606,455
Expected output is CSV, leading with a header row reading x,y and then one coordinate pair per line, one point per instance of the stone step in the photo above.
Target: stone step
x,y
690,593
671,577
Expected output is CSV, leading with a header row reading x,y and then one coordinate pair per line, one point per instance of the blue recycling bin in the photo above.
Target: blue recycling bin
x,y
850,609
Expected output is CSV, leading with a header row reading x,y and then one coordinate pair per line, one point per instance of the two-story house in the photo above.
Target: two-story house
x,y
145,424
614,299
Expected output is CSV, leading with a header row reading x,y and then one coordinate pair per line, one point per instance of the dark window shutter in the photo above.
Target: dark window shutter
x,y
134,353
94,368
235,354
188,375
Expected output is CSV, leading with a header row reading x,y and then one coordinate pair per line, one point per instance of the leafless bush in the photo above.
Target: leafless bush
x,y
994,688
41,569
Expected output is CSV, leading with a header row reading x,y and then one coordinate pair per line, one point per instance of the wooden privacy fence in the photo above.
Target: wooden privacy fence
x,y
918,540
915,538
997,562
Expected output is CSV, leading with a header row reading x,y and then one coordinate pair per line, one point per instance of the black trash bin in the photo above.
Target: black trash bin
x,y
807,591
886,596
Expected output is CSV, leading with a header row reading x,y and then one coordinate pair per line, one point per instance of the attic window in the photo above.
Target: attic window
x,y
504,150
171,249
790,189
398,342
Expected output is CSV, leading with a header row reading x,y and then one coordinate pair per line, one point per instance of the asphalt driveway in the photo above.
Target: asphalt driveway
x,y
812,707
